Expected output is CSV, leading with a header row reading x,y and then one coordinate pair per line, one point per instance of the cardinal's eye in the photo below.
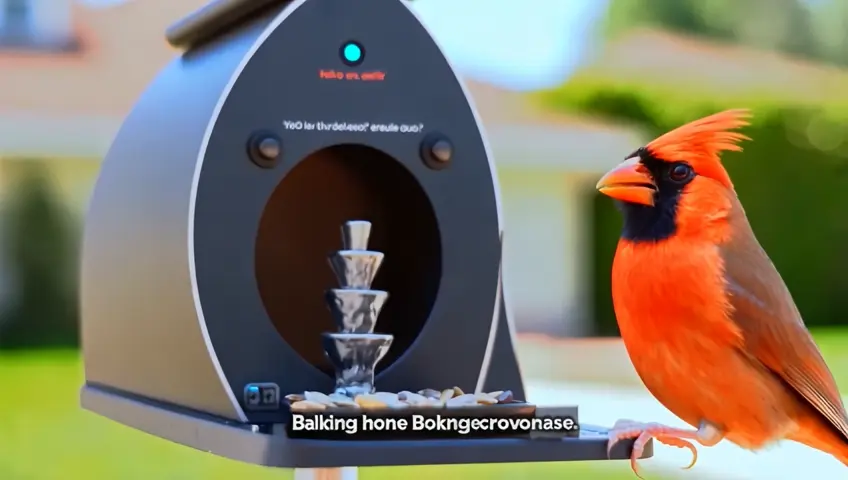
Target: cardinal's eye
x,y
680,173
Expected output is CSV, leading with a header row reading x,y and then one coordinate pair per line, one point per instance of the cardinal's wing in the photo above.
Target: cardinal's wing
x,y
772,326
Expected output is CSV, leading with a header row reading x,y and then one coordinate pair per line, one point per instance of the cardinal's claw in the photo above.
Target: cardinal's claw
x,y
643,432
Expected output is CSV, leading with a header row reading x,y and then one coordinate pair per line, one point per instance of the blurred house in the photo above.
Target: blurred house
x,y
71,73
66,104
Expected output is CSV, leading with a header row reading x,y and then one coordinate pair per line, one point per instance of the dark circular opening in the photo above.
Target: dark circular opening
x,y
301,225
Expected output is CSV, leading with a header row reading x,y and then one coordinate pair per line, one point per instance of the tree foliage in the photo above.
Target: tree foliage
x,y
831,20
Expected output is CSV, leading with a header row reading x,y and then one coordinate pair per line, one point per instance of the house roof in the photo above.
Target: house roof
x,y
664,59
123,47
81,98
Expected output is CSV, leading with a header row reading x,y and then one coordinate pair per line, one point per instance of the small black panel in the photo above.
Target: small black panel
x,y
262,396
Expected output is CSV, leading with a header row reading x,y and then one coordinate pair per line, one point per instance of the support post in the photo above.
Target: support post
x,y
343,473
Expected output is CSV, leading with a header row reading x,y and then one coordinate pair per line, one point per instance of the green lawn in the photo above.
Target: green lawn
x,y
44,435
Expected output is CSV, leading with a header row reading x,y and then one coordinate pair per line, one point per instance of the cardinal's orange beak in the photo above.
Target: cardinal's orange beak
x,y
629,182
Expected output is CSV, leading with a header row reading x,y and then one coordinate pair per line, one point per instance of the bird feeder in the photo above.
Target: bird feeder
x,y
209,305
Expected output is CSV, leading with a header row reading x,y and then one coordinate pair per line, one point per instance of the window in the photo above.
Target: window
x,y
17,18
25,24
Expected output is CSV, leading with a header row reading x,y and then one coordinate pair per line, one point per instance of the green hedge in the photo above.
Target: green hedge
x,y
792,179
39,257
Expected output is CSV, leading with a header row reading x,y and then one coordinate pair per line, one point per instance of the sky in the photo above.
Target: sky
x,y
101,3
520,45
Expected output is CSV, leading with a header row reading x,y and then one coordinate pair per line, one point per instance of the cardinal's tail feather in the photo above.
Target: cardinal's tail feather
x,y
823,438
842,454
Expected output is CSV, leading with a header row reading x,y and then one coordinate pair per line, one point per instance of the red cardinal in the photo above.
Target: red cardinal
x,y
706,319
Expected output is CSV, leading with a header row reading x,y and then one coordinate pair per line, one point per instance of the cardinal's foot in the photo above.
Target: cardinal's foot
x,y
643,432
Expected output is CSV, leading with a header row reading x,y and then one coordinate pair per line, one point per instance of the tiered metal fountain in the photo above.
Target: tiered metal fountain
x,y
355,350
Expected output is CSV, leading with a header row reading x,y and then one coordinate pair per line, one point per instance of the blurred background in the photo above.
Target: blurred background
x,y
566,88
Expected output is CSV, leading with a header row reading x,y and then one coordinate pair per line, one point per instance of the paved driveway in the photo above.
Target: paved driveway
x,y
604,405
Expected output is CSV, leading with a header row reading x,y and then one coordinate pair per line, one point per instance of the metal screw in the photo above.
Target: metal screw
x,y
442,151
269,148
436,150
265,149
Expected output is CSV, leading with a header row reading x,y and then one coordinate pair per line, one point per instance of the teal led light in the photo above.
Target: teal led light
x,y
352,53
